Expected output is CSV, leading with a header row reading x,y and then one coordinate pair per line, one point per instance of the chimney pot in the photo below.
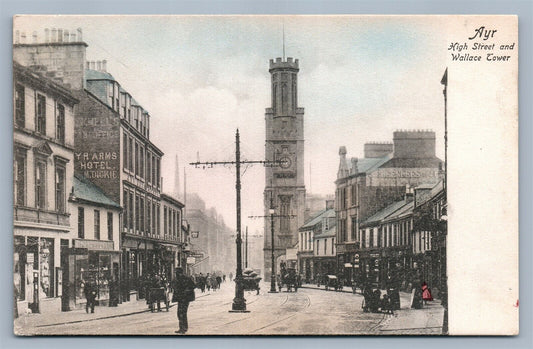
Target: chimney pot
x,y
104,65
66,36
60,35
99,65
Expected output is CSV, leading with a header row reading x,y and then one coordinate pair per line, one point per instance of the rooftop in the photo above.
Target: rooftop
x,y
85,190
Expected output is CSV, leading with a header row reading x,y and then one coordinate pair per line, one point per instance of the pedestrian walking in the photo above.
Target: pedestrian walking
x,y
426,293
183,287
230,277
90,296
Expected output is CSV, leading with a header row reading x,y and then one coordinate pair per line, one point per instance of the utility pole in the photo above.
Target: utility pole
x,y
239,303
444,275
246,249
273,260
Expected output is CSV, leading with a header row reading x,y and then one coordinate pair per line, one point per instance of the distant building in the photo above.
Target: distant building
x,y
43,169
316,245
171,252
367,185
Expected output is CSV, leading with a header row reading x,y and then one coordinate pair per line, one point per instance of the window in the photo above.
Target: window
x,y
40,111
165,220
318,247
141,214
154,223
60,188
148,217
40,184
130,154
136,158
332,246
130,205
354,194
137,214
81,223
354,227
149,167
60,123
125,153
158,224
110,226
284,213
20,98
126,209
96,225
325,245
141,171
153,171
20,178
158,172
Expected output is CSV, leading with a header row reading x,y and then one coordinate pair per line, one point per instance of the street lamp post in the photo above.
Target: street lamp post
x,y
273,269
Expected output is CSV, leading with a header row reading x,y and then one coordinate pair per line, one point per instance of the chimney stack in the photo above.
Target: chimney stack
x,y
79,35
46,35
104,66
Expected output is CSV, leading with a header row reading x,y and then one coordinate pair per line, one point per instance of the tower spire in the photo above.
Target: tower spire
x,y
177,179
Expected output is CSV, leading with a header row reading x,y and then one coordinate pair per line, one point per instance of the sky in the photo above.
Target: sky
x,y
202,77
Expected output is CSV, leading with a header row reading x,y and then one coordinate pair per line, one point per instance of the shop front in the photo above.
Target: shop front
x,y
37,274
95,263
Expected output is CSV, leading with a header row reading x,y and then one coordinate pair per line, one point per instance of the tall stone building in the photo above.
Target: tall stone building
x,y
284,183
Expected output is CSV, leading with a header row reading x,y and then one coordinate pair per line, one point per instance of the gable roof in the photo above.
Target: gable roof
x,y
86,191
318,218
91,74
385,213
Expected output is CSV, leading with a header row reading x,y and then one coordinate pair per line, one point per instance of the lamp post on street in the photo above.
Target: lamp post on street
x,y
271,211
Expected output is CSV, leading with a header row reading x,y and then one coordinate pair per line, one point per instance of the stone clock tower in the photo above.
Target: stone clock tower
x,y
284,142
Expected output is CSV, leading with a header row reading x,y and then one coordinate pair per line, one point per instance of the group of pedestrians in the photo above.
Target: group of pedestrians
x,y
209,281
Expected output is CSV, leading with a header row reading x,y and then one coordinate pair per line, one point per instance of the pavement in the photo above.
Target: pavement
x,y
406,321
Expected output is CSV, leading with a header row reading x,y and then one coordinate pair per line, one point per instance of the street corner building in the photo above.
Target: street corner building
x,y
89,201
382,237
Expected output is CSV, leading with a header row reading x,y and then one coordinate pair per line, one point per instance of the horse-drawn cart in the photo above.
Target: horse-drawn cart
x,y
157,295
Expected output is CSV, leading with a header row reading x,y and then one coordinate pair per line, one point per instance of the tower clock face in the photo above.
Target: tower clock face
x,y
285,162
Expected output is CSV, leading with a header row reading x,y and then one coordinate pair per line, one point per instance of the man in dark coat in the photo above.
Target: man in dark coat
x,y
183,288
90,295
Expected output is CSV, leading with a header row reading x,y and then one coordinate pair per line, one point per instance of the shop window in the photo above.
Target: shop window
x,y
40,184
60,188
60,123
20,178
46,267
20,100
96,224
40,116
110,226
81,223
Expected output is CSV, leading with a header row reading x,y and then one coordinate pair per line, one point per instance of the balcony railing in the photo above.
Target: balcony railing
x,y
35,215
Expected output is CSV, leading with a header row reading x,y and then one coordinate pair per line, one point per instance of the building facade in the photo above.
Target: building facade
x,y
284,183
43,157
112,145
367,185
171,251
95,254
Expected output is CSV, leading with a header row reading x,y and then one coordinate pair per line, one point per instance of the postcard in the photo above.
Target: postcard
x,y
265,175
